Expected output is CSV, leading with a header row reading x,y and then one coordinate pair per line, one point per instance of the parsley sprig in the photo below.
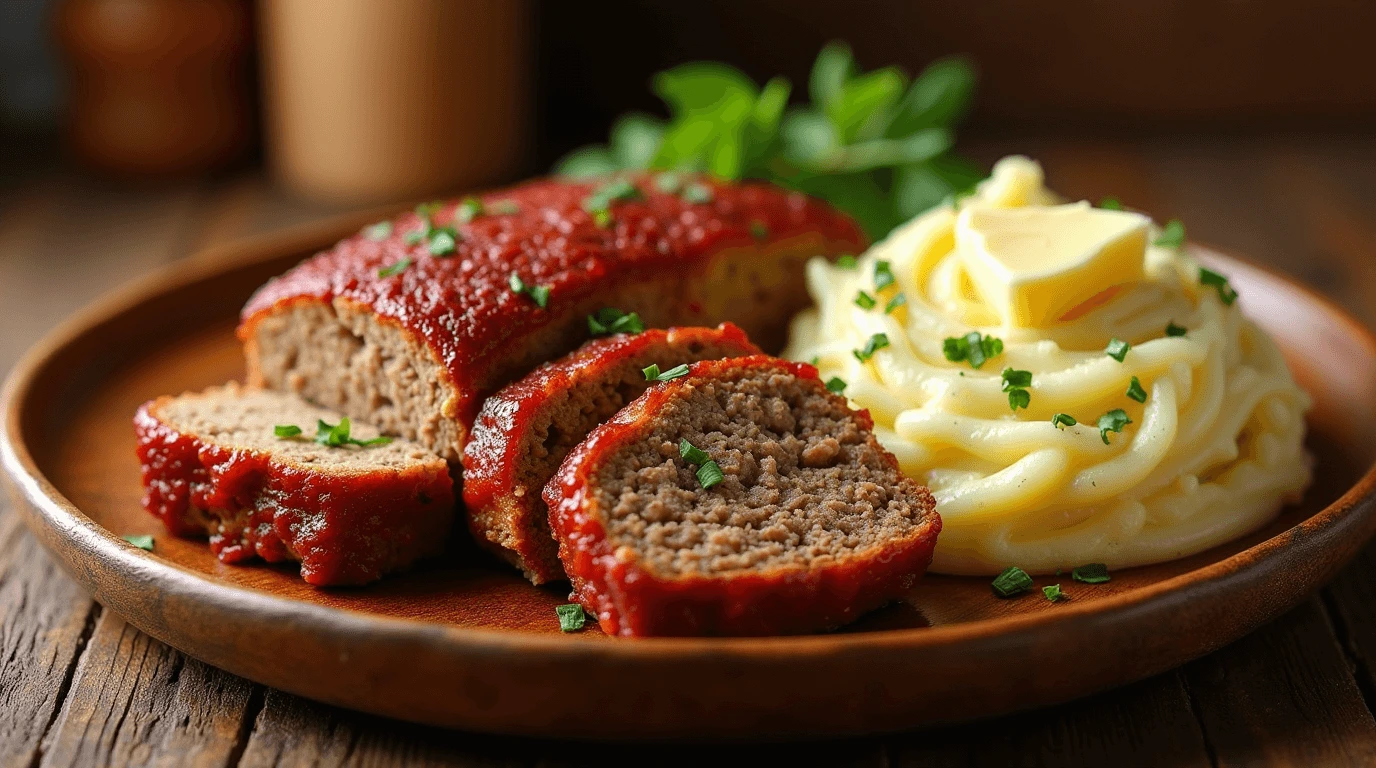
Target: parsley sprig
x,y
972,348
709,473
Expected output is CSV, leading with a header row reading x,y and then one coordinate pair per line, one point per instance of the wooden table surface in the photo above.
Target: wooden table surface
x,y
78,686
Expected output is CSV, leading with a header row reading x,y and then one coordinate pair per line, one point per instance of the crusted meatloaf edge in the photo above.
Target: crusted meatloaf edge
x,y
525,430
212,466
633,597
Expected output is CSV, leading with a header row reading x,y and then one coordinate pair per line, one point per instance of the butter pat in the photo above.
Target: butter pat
x,y
1033,265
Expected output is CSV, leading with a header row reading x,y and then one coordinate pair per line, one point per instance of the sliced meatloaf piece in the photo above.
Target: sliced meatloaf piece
x,y
525,430
349,510
742,499
408,325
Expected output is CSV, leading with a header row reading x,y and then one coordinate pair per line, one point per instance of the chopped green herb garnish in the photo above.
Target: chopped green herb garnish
x,y
815,360
1011,583
144,542
709,473
572,617
971,347
847,261
692,453
1054,593
652,372
602,218
1110,204
603,197
883,275
1093,573
1172,235
394,269
668,183
427,210
1019,398
1117,349
443,241
414,236
338,435
379,231
1113,421
1063,420
697,194
609,320
864,300
835,384
758,230
286,430
1014,379
537,293
1136,392
875,343
1212,278
504,208
1175,330
897,301
469,209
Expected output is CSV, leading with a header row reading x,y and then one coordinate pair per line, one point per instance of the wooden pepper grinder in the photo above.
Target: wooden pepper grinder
x,y
156,87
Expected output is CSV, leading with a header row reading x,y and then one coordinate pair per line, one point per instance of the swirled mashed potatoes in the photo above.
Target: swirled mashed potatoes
x,y
1213,450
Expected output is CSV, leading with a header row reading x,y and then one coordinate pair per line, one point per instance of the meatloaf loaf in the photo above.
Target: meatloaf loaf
x,y
525,430
268,475
409,324
741,499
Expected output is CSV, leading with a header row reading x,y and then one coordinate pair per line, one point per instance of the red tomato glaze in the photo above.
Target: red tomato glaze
x,y
631,600
344,528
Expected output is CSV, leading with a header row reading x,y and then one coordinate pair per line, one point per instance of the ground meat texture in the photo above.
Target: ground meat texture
x,y
213,465
525,430
812,525
410,337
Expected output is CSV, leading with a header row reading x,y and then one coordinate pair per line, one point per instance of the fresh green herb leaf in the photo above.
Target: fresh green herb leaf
x,y
1212,278
379,231
609,320
428,210
697,194
897,301
1015,379
339,435
652,372
414,236
972,348
602,198
1110,204
956,348
691,453
1093,573
669,183
875,343
846,261
571,617
470,208
1063,420
518,286
395,268
1113,421
1054,593
1019,398
1117,349
815,360
1136,392
537,293
443,240
1175,330
286,430
883,275
1011,583
144,542
759,230
504,208
602,218
1172,235
836,385
709,475
864,300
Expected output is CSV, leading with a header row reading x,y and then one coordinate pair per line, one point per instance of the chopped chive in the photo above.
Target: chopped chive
x,y
883,275
1212,278
697,194
339,435
875,343
286,430
504,208
1136,392
668,183
1113,421
394,269
517,284
846,261
709,475
1054,593
1175,330
1110,204
414,236
897,301
609,320
1092,573
144,542
1117,349
1011,583
469,209
652,372
692,453
537,293
759,230
1063,420
379,231
1172,235
864,300
835,384
443,241
572,617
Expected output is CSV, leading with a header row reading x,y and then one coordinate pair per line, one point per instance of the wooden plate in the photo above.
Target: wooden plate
x,y
467,643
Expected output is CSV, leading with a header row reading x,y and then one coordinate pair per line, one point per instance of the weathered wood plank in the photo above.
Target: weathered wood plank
x,y
1283,696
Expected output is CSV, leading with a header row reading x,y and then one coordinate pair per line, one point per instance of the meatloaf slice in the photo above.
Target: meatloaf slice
x,y
808,525
525,430
349,510
410,324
